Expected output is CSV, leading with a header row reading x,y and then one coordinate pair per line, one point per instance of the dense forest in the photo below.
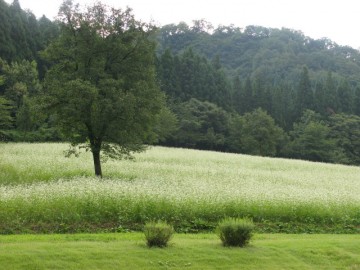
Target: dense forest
x,y
259,91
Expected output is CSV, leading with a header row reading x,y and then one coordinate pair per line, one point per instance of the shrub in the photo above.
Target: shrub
x,y
158,233
235,232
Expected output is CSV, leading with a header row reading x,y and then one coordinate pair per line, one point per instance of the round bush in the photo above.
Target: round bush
x,y
158,234
235,232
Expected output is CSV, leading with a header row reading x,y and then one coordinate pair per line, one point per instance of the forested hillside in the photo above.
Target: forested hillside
x,y
276,54
260,91
22,36
22,69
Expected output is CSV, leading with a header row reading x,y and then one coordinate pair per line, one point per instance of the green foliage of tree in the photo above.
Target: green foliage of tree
x,y
331,98
167,71
20,85
283,105
311,140
305,95
102,85
345,130
357,101
166,126
32,123
24,121
6,120
189,75
346,97
22,36
256,133
48,31
202,125
320,98
6,43
280,53
22,78
248,96
23,41
262,95
238,95
234,141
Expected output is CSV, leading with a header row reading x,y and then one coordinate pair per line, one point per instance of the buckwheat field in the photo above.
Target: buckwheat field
x,y
42,191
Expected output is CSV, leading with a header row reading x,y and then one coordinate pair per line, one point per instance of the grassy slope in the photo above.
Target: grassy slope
x,y
184,186
202,251
28,163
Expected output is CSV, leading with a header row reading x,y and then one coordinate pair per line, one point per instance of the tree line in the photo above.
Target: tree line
x,y
256,91
296,117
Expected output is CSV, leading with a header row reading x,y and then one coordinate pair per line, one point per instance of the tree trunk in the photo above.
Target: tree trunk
x,y
95,146
97,164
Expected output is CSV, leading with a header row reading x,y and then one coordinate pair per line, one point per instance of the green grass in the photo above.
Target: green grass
x,y
42,191
202,251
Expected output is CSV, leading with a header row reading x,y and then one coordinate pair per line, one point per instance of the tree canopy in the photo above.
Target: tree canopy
x,y
102,84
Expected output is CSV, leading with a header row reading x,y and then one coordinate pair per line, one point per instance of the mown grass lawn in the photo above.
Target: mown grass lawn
x,y
186,251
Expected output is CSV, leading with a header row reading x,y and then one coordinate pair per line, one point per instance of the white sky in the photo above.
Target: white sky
x,y
334,19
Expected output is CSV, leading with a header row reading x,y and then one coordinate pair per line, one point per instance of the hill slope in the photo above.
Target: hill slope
x,y
191,189
277,53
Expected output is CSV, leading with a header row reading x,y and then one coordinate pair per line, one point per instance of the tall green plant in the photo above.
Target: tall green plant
x,y
158,234
235,232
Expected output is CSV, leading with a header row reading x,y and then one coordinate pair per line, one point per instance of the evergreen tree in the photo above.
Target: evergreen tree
x,y
220,89
331,100
346,98
260,94
7,49
190,75
281,106
6,120
19,33
357,101
305,96
24,121
234,141
48,31
238,96
320,98
248,96
22,36
167,72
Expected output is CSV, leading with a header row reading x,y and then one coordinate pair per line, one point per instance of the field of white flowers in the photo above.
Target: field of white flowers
x,y
41,190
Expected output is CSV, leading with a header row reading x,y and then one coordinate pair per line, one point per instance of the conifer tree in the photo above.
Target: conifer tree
x,y
305,95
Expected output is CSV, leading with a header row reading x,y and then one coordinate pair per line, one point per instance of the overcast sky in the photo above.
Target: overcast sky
x,y
334,19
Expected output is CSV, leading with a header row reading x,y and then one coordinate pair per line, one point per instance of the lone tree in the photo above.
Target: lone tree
x,y
102,84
